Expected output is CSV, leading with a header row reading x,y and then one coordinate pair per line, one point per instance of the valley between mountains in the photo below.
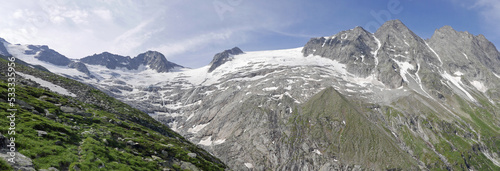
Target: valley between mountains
x,y
388,100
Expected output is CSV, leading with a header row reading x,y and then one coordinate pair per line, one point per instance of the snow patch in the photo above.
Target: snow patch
x,y
458,73
379,45
479,86
498,76
196,128
219,141
49,85
403,69
458,83
206,142
465,56
270,89
249,165
317,151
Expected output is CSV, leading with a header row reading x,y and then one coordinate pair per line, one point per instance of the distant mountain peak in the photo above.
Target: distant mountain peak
x,y
155,60
223,57
3,40
44,53
395,28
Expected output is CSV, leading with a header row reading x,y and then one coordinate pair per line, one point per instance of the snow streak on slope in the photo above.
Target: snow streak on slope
x,y
375,53
458,83
432,50
49,85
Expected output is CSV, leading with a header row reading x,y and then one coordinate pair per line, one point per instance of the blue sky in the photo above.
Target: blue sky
x,y
190,32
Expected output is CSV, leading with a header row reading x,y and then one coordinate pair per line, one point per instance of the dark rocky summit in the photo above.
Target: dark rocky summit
x,y
155,60
223,57
44,53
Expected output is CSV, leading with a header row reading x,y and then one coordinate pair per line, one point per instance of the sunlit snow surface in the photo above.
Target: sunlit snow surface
x,y
49,85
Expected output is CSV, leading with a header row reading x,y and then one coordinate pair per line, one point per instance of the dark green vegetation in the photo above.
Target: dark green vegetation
x,y
92,131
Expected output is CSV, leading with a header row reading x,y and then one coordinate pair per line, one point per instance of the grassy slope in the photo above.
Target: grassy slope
x,y
358,141
93,142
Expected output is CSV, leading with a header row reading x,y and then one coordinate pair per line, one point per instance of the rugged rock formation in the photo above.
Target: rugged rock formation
x,y
223,57
43,53
154,60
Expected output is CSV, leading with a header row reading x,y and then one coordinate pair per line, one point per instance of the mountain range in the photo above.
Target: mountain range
x,y
387,100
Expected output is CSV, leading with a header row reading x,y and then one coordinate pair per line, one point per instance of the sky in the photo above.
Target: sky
x,y
191,32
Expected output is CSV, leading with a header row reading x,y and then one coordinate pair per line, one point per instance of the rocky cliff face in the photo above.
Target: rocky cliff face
x,y
43,53
223,57
155,60
109,60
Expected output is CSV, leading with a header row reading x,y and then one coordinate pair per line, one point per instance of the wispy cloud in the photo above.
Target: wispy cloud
x,y
490,10
193,43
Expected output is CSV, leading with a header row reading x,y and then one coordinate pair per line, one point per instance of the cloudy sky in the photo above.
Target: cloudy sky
x,y
190,32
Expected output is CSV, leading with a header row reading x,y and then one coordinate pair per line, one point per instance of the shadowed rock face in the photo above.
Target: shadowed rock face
x,y
109,60
155,60
3,50
223,57
80,67
44,53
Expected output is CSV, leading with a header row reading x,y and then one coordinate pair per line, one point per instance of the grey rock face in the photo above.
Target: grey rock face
x,y
109,60
3,50
474,58
223,57
44,53
80,67
155,60
377,54
352,47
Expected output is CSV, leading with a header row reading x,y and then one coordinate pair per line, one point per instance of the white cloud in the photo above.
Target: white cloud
x,y
175,28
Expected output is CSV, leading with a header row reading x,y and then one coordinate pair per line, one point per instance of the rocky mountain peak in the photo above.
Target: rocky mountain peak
x,y
394,31
152,55
3,40
155,60
44,53
461,49
447,32
223,57
111,61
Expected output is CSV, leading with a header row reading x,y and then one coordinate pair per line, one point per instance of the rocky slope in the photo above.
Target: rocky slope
x,y
353,100
80,128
